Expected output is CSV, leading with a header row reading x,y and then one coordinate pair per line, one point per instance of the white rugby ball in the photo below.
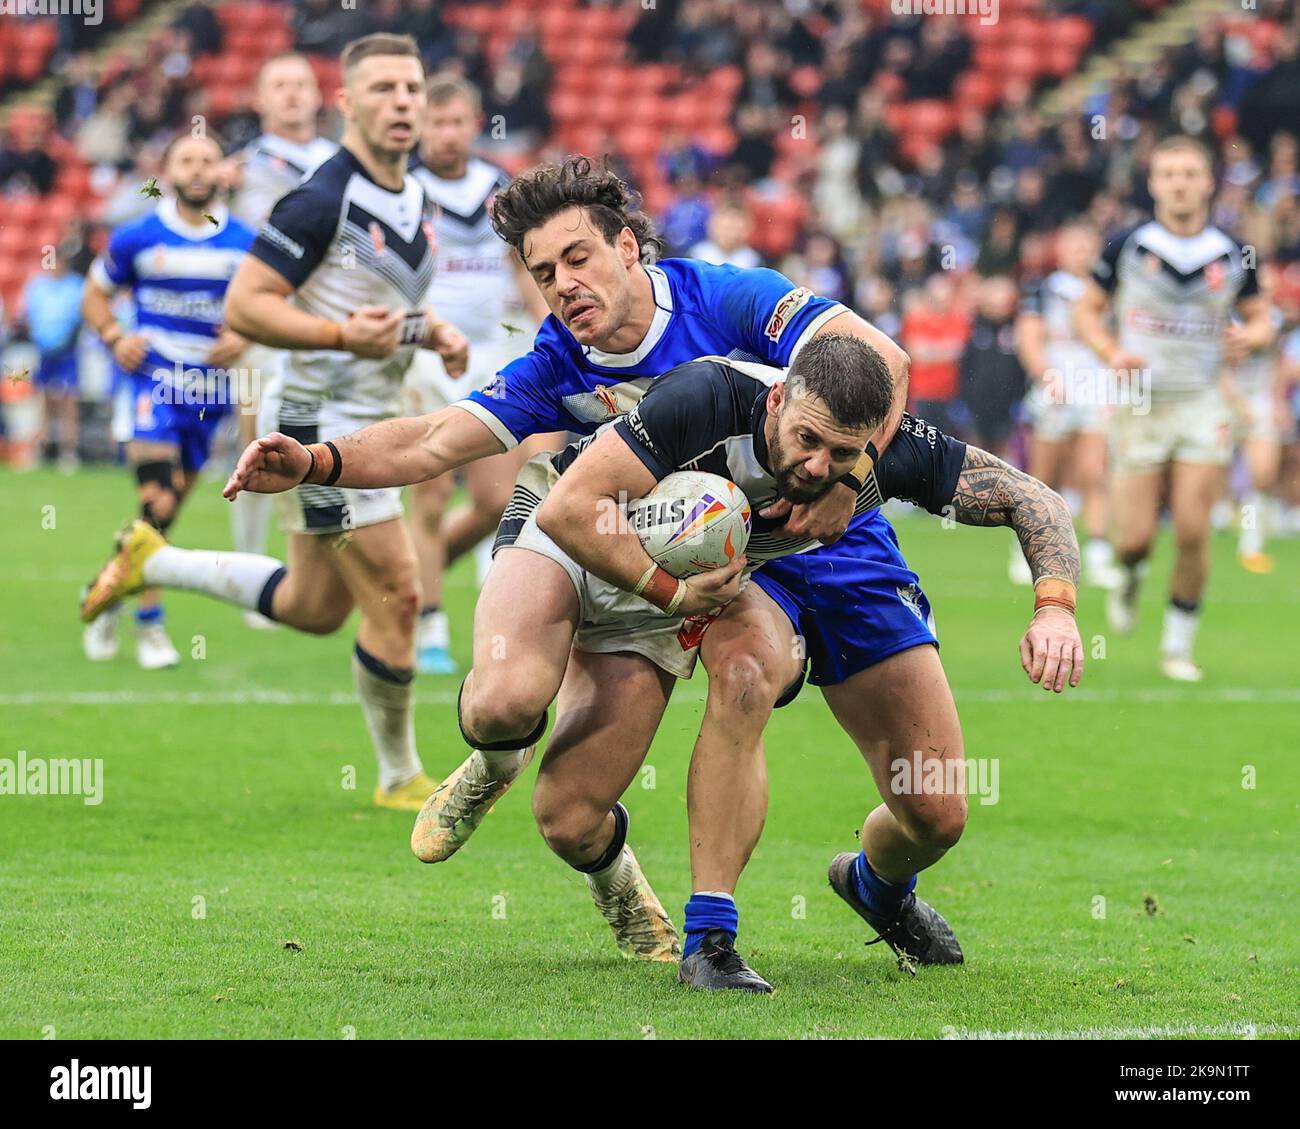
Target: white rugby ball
x,y
692,522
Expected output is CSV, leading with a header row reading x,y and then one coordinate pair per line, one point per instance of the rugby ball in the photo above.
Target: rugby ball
x,y
692,522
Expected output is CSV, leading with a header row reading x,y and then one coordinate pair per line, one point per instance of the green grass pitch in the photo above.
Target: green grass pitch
x,y
229,885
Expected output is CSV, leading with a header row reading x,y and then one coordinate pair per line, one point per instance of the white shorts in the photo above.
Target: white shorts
x,y
427,387
1054,419
323,509
611,620
1197,429
1262,424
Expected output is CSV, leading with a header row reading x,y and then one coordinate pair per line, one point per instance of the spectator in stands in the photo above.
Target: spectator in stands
x,y
754,154
934,333
820,267
992,381
103,138
78,97
52,310
728,241
322,27
25,163
1028,147
1001,245
686,220
943,54
874,300
521,107
1283,177
200,24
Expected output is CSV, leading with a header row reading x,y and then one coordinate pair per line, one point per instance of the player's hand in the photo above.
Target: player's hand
x,y
1051,651
229,347
269,465
373,331
716,588
450,344
130,350
1124,361
824,520
1236,344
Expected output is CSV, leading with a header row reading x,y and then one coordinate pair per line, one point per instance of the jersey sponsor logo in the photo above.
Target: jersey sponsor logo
x,y
911,597
277,238
1144,321
661,513
496,387
786,308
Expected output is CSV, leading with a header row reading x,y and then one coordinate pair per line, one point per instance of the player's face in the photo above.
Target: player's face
x,y
287,95
1181,183
449,131
384,101
808,450
192,170
586,280
1078,250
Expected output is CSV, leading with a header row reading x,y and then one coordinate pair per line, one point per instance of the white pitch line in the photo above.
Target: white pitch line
x,y
1227,695
1173,1031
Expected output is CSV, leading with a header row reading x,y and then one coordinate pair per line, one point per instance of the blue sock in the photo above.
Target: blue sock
x,y
709,911
144,616
880,896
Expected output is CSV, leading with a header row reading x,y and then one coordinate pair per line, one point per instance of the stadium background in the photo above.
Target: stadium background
x,y
892,161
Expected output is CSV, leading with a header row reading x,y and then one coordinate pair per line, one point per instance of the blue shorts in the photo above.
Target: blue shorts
x,y
855,602
188,427
58,371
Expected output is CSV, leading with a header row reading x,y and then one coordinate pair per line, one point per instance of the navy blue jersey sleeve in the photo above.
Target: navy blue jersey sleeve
x,y
295,237
766,312
1105,273
678,418
921,466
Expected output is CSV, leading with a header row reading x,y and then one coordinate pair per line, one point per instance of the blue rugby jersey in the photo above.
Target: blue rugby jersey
x,y
177,274
701,310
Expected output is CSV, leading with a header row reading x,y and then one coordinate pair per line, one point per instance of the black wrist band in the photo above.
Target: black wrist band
x,y
850,480
338,465
311,455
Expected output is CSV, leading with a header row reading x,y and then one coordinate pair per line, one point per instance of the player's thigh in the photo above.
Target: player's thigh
x,y
378,565
524,624
1047,459
609,708
1135,507
1088,457
1193,490
429,499
901,715
1263,460
752,653
314,585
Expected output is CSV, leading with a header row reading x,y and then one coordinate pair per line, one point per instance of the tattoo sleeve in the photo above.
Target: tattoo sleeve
x,y
991,492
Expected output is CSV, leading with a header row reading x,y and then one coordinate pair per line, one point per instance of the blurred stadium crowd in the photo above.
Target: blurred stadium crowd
x,y
909,165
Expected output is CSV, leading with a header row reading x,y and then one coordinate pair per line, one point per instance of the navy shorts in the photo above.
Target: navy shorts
x,y
855,603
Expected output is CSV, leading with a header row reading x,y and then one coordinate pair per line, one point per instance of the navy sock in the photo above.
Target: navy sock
x,y
144,616
267,596
880,896
709,911
1189,606
381,669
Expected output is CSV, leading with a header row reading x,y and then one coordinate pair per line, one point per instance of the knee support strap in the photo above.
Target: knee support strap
x,y
505,746
159,474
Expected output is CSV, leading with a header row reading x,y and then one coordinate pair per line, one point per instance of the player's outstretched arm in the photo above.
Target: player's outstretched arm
x,y
396,452
992,492
583,515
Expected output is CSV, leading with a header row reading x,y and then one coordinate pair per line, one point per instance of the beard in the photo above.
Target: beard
x,y
196,199
787,485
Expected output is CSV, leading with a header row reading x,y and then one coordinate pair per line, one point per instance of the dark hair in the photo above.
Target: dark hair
x,y
206,134
847,375
379,43
535,196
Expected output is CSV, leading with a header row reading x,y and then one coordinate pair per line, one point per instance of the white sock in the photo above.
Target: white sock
x,y
1179,633
236,577
250,517
1251,538
390,716
618,876
434,629
1099,554
501,762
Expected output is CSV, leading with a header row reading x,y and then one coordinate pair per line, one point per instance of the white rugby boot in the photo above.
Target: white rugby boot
x,y
99,640
153,650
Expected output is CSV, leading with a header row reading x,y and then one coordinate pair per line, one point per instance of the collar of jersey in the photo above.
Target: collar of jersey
x,y
758,428
170,217
663,297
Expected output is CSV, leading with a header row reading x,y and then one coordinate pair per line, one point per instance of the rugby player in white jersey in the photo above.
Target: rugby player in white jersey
x,y
339,277
287,151
1066,402
478,281
1175,283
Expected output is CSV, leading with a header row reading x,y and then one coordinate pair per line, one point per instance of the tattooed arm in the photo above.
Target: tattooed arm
x,y
991,492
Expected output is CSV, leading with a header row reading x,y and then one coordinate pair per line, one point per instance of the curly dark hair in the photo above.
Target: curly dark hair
x,y
535,196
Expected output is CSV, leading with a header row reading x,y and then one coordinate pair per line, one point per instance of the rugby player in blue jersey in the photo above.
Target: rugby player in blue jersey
x,y
176,263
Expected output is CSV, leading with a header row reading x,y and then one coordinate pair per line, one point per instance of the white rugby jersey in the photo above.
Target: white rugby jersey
x,y
1173,297
472,271
273,167
1053,300
343,241
1256,372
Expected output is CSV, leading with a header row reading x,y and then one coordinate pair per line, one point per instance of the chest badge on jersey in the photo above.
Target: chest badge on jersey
x,y
377,237
1214,276
606,396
